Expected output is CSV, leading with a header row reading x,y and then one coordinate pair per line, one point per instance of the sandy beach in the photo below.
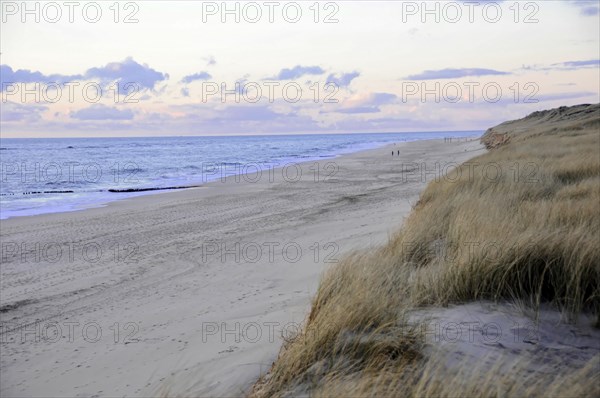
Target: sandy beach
x,y
300,199
191,291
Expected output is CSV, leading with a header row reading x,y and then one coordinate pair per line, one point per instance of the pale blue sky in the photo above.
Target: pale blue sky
x,y
374,57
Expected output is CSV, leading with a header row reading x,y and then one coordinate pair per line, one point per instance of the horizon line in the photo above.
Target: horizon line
x,y
245,135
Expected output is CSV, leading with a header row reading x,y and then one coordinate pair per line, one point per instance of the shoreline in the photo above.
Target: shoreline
x,y
177,291
133,192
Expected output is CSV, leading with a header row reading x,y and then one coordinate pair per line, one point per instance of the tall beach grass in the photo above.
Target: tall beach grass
x,y
520,223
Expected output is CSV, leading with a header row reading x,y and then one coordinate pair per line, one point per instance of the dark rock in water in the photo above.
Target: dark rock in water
x,y
39,192
127,190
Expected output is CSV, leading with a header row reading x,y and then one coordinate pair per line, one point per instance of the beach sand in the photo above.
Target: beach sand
x,y
152,295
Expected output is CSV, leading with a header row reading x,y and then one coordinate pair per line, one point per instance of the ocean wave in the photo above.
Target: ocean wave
x,y
34,193
93,169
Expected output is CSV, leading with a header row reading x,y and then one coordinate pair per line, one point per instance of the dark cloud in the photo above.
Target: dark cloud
x,y
16,112
360,109
8,75
395,124
572,65
567,65
210,61
383,98
128,71
123,73
452,73
247,113
371,105
587,7
241,119
342,79
298,71
565,96
196,76
102,112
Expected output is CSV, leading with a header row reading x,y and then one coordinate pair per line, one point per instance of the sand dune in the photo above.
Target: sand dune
x,y
489,289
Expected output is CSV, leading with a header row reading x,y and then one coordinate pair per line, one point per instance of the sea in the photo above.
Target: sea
x,y
50,175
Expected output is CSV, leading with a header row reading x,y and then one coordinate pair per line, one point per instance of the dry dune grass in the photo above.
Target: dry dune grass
x,y
520,223
434,379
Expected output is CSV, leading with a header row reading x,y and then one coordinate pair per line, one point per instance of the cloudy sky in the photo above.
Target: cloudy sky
x,y
147,68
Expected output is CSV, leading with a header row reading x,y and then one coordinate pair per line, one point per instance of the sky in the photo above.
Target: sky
x,y
158,68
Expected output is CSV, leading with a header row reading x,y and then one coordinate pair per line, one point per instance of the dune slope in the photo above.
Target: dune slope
x,y
508,238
